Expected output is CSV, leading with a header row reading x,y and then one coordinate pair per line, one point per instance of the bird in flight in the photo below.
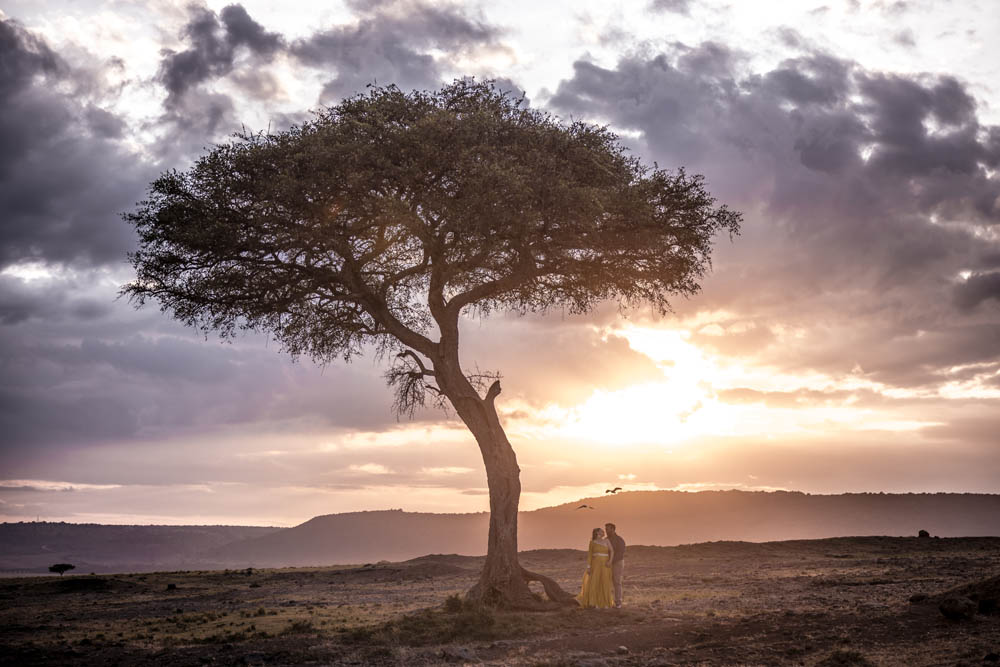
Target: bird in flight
x,y
585,507
614,490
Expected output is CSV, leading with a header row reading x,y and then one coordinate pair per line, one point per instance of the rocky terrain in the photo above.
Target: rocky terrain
x,y
828,602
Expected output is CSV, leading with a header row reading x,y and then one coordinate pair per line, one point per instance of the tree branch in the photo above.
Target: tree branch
x,y
418,361
524,271
493,392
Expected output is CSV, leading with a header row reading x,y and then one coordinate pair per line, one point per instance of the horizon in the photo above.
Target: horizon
x,y
848,341
520,511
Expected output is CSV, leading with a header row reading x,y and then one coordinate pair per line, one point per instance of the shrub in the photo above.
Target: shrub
x,y
454,604
299,626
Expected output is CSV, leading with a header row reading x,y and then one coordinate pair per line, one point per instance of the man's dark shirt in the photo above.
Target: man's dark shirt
x,y
618,544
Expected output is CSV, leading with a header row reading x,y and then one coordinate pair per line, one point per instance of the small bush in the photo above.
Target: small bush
x,y
300,626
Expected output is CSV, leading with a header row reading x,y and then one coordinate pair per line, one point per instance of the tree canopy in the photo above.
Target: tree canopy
x,y
61,568
354,227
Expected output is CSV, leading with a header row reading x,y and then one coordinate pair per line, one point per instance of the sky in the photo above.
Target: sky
x,y
847,341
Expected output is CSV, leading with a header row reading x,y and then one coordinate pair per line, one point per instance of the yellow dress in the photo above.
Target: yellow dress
x,y
596,590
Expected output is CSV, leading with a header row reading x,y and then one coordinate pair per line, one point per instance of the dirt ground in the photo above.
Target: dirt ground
x,y
828,603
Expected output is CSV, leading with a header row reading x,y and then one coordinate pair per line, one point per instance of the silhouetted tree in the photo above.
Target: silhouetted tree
x,y
388,216
61,568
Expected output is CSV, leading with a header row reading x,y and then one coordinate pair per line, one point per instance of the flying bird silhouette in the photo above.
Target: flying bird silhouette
x,y
585,507
614,490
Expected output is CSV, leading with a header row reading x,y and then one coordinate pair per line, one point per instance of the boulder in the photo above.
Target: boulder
x,y
958,608
985,593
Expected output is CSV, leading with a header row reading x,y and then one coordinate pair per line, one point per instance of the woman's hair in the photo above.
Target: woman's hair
x,y
594,532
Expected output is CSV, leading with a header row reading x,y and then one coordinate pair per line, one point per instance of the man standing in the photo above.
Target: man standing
x,y
617,562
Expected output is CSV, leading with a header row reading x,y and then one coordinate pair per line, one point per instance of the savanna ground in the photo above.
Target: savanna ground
x,y
834,602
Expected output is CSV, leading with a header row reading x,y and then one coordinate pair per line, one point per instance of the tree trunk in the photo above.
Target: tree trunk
x,y
503,582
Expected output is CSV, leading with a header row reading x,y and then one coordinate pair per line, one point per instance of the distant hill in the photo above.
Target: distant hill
x,y
29,547
643,517
662,518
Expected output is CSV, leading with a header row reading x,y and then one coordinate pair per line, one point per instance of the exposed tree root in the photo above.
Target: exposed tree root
x,y
519,596
553,590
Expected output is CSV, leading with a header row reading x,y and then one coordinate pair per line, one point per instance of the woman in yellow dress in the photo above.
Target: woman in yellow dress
x,y
596,590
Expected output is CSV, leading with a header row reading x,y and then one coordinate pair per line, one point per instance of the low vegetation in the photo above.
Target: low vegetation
x,y
823,602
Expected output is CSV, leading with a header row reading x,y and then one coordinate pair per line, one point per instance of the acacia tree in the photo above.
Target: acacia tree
x,y
387,217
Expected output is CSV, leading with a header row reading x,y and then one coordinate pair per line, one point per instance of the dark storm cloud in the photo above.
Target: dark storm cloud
x,y
215,40
20,302
24,57
80,368
113,385
194,113
977,288
63,176
391,43
863,192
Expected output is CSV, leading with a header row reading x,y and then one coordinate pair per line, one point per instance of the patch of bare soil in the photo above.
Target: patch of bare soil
x,y
820,603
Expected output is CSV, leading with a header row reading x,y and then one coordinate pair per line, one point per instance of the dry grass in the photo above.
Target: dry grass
x,y
799,603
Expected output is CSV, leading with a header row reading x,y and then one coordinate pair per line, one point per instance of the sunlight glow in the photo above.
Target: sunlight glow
x,y
704,395
29,271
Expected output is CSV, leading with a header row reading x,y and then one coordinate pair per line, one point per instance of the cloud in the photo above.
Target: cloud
x,y
62,395
411,44
64,175
215,42
977,288
865,193
226,45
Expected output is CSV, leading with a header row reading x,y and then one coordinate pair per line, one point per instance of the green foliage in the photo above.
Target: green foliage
x,y
391,213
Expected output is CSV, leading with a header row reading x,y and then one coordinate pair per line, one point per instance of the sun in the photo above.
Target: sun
x,y
667,411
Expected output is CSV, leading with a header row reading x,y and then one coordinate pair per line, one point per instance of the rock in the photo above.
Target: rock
x,y
918,597
923,533
459,654
985,593
958,608
991,657
622,650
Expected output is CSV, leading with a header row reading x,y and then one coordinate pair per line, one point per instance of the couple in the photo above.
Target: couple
x,y
602,583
